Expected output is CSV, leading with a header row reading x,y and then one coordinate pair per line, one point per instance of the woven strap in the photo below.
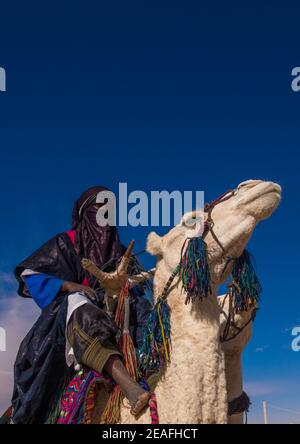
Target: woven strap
x,y
153,409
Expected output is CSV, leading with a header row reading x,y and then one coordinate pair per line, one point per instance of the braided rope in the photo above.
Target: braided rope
x,y
153,409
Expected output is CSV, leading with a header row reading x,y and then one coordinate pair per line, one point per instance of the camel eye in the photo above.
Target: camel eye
x,y
191,222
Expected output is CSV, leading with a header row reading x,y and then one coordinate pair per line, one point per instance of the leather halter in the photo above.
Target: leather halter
x,y
209,227
209,223
230,322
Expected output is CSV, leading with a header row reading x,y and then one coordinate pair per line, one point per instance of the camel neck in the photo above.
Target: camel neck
x,y
234,377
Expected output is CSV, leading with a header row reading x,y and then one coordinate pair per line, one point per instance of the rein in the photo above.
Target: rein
x,y
230,322
167,286
229,318
209,223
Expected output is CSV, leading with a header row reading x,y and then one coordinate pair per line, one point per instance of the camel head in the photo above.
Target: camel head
x,y
234,218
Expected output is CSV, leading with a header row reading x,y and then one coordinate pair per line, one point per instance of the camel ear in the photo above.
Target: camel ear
x,y
154,244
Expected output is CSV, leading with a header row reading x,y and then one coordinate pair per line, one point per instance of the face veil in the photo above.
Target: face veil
x,y
99,244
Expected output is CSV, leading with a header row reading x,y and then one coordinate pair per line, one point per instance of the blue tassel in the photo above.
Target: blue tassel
x,y
245,288
194,270
156,345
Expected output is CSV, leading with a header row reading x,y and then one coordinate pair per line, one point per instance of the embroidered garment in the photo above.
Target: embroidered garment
x,y
78,400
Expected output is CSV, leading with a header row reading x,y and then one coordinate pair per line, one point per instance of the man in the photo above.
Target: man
x,y
72,330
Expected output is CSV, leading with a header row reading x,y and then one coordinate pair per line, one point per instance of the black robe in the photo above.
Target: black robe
x,y
57,257
40,369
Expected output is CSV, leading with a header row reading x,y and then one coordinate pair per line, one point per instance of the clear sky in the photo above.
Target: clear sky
x,y
161,95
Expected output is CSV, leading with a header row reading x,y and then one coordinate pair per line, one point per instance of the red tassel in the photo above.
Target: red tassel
x,y
129,355
120,311
112,412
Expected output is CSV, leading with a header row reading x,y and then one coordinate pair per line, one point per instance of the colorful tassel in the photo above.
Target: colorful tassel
x,y
112,412
129,355
120,310
157,338
194,270
123,321
195,276
245,288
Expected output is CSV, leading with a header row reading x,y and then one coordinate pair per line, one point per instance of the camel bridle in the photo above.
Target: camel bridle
x,y
230,323
209,224
209,227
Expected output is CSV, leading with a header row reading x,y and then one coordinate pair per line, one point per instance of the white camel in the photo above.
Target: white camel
x,y
198,360
197,363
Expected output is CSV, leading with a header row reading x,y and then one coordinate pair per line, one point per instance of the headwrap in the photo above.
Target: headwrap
x,y
99,244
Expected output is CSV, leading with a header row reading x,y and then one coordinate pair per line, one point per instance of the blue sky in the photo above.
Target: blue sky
x,y
170,95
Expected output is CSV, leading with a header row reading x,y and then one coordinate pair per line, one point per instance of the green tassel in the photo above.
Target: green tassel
x,y
194,270
156,347
245,288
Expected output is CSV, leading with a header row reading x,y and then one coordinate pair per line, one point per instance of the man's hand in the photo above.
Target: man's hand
x,y
73,287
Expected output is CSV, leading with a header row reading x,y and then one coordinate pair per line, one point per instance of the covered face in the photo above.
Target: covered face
x,y
99,244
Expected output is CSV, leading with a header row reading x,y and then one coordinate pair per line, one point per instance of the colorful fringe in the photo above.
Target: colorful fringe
x,y
194,270
246,289
120,310
77,398
129,354
156,345
112,412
